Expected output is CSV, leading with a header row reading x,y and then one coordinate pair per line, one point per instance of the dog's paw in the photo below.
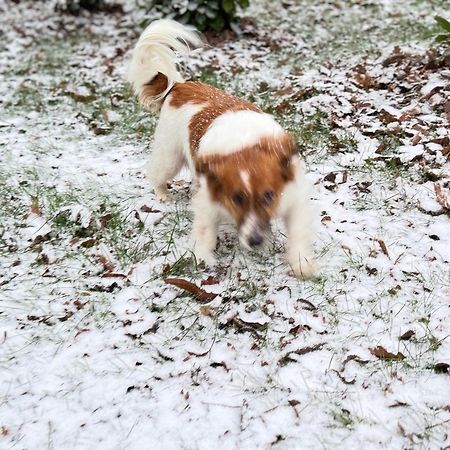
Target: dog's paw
x,y
304,268
163,196
205,257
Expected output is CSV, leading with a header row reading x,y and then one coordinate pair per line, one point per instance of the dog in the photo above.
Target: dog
x,y
244,164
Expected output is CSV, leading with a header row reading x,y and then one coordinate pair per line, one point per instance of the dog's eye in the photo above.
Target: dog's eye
x,y
239,198
268,197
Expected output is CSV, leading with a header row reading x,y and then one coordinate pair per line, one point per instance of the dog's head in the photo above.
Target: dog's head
x,y
249,184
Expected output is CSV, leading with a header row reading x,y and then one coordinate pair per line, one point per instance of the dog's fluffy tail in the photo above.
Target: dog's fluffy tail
x,y
153,68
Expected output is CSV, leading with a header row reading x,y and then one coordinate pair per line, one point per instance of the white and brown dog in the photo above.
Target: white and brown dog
x,y
244,163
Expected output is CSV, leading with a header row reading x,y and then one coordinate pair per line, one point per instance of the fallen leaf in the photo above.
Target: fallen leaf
x,y
301,351
80,97
331,177
407,335
387,117
114,275
284,91
416,139
148,209
198,293
397,404
407,115
365,81
105,219
79,305
198,354
308,305
441,368
441,198
343,379
88,243
66,316
210,281
383,247
305,350
381,353
35,206
207,311
353,358
107,265
396,57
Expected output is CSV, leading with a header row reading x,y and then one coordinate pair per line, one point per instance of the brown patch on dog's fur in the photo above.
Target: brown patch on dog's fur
x,y
215,101
156,86
269,167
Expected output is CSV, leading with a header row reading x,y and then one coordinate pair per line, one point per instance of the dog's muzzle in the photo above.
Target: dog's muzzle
x,y
253,232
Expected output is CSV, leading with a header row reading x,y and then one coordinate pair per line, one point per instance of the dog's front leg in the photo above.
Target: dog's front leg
x,y
299,244
298,218
204,232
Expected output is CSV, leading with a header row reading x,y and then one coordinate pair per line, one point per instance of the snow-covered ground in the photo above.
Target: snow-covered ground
x,y
98,350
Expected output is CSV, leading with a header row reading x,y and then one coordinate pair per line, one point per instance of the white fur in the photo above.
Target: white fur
x,y
295,209
206,219
246,179
227,134
155,52
171,148
234,130
249,226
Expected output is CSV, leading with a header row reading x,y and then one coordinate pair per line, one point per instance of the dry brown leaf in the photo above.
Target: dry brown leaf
x,y
308,306
441,198
305,350
148,209
447,110
407,335
35,206
114,275
381,353
364,80
207,311
383,247
407,115
198,293
387,117
353,358
88,243
441,367
105,219
416,139
210,281
80,97
284,91
107,265
198,354
343,379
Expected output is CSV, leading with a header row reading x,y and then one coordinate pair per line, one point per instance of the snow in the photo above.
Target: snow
x,y
98,351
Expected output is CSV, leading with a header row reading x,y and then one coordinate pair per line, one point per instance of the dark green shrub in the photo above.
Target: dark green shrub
x,y
205,15
76,6
444,36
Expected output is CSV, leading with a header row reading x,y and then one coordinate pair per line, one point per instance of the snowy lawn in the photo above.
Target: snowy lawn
x,y
99,350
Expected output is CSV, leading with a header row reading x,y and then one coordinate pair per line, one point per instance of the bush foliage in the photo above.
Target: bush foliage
x,y
215,15
444,35
75,6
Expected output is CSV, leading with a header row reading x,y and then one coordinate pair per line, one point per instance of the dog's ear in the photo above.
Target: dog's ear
x,y
209,170
286,155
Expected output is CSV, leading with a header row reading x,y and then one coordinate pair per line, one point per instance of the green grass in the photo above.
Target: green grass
x,y
333,37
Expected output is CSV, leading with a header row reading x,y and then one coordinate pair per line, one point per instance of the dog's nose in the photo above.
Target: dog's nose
x,y
255,240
